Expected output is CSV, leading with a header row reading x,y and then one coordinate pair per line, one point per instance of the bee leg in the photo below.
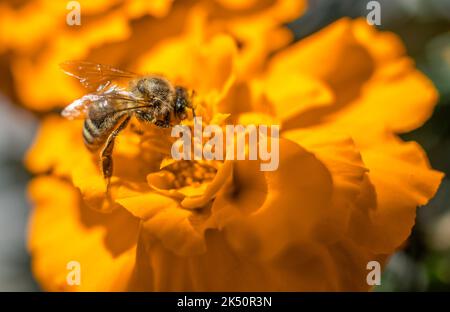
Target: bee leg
x,y
106,154
163,123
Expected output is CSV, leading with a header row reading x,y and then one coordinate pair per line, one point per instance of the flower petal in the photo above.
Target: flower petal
x,y
386,100
222,175
166,57
399,180
293,93
342,158
55,146
163,219
265,216
371,88
62,230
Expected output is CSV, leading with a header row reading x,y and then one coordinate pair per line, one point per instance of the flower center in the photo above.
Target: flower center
x,y
191,173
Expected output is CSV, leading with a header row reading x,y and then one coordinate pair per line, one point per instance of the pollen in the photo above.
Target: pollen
x,y
191,173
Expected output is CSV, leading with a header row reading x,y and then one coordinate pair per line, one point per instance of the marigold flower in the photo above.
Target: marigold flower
x,y
345,192
116,32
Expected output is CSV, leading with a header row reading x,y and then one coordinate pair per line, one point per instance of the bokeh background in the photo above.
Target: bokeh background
x,y
423,264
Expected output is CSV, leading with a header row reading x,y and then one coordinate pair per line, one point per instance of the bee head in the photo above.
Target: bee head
x,y
183,101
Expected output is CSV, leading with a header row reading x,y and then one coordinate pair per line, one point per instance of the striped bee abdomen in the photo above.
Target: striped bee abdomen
x,y
91,135
96,131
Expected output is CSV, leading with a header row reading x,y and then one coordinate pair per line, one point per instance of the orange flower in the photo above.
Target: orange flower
x,y
345,192
119,31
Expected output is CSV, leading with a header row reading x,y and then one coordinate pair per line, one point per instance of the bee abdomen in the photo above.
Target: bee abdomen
x,y
92,135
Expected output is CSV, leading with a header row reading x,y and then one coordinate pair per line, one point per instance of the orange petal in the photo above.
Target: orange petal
x,y
166,221
342,158
400,179
62,230
138,8
372,87
166,58
221,268
35,93
222,175
312,56
291,93
237,4
264,212
386,101
57,147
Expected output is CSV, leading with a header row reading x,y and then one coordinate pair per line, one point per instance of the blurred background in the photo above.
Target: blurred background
x,y
424,264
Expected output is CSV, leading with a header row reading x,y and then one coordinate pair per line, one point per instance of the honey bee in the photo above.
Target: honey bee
x,y
116,96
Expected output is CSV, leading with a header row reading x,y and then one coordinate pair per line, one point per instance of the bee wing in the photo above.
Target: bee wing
x,y
95,76
78,108
115,98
